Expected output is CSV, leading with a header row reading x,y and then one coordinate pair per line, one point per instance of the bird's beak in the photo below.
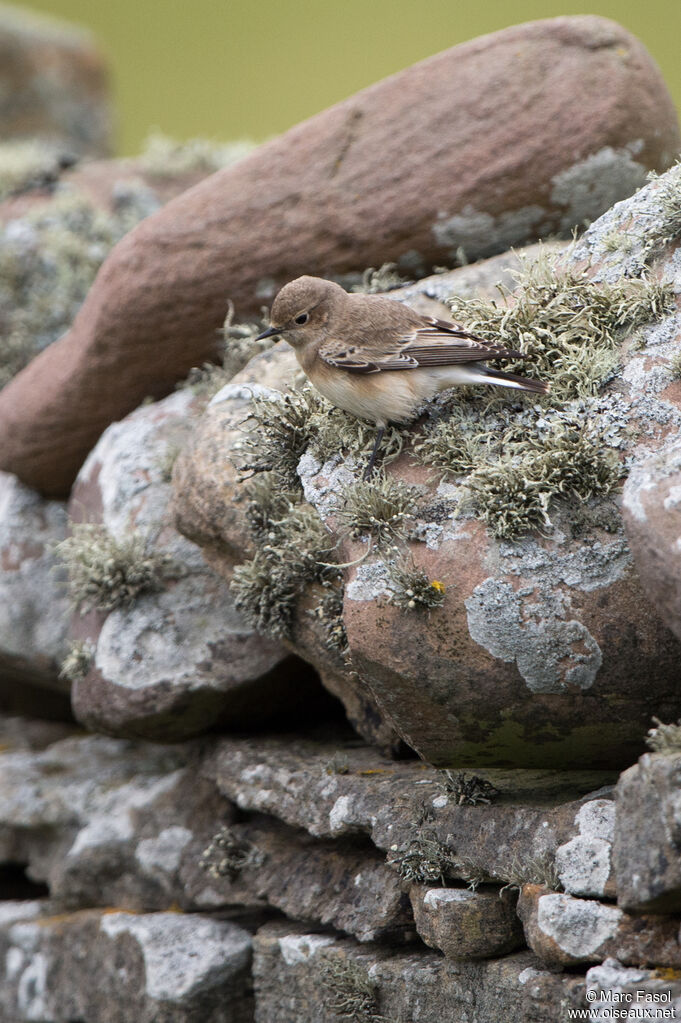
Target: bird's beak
x,y
270,332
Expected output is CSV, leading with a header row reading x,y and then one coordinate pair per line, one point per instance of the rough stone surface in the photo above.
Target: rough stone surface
x,y
564,931
514,838
652,514
637,993
584,864
465,924
177,968
474,181
53,83
647,846
34,609
302,977
200,662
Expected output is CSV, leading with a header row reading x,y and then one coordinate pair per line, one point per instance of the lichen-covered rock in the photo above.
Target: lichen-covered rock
x,y
638,993
464,924
34,610
410,811
53,83
178,968
584,864
564,931
494,612
652,514
647,845
166,654
303,977
474,182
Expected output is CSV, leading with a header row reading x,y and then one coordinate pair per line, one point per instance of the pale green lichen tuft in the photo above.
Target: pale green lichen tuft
x,y
567,327
380,507
375,282
675,365
664,738
423,858
329,612
293,550
467,791
532,870
349,992
411,589
77,662
30,163
164,157
228,854
48,261
105,573
239,346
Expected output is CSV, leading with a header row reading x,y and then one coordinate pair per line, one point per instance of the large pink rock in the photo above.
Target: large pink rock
x,y
504,139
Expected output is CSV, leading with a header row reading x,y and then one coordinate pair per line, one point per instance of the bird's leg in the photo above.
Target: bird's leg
x,y
372,461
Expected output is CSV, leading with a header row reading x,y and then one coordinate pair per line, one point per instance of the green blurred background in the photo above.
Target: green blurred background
x,y
229,69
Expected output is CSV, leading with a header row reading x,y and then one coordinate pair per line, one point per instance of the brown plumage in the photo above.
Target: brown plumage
x,y
378,359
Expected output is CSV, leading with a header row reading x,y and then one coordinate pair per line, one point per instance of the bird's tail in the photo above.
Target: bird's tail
x,y
502,379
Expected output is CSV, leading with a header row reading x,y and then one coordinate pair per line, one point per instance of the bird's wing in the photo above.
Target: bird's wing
x,y
436,343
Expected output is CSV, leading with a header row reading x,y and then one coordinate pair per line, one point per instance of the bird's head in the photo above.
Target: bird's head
x,y
301,310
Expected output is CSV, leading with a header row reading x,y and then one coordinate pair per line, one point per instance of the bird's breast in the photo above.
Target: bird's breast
x,y
377,397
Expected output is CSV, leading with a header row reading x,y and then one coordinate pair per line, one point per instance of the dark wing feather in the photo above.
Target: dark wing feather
x,y
436,343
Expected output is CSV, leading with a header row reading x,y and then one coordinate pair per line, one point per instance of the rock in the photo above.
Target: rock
x,y
651,505
336,791
56,227
465,924
54,83
647,845
638,993
584,864
474,180
564,931
303,977
342,884
51,961
202,664
34,609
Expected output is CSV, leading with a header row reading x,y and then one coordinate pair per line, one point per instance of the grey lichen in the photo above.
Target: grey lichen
x,y
675,365
228,854
105,572
349,992
411,589
467,791
48,260
664,738
77,662
380,507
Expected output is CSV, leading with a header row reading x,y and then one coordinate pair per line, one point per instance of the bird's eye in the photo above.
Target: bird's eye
x,y
303,318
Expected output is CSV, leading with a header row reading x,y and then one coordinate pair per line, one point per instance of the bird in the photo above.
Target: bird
x,y
378,359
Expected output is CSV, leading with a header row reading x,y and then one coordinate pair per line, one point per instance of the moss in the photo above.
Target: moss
x,y
467,791
349,992
165,157
105,573
374,281
293,550
664,738
380,507
76,664
27,164
228,854
48,261
412,589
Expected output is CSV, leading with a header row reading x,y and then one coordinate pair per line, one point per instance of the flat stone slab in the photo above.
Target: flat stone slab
x,y
564,931
303,977
647,845
115,967
536,814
